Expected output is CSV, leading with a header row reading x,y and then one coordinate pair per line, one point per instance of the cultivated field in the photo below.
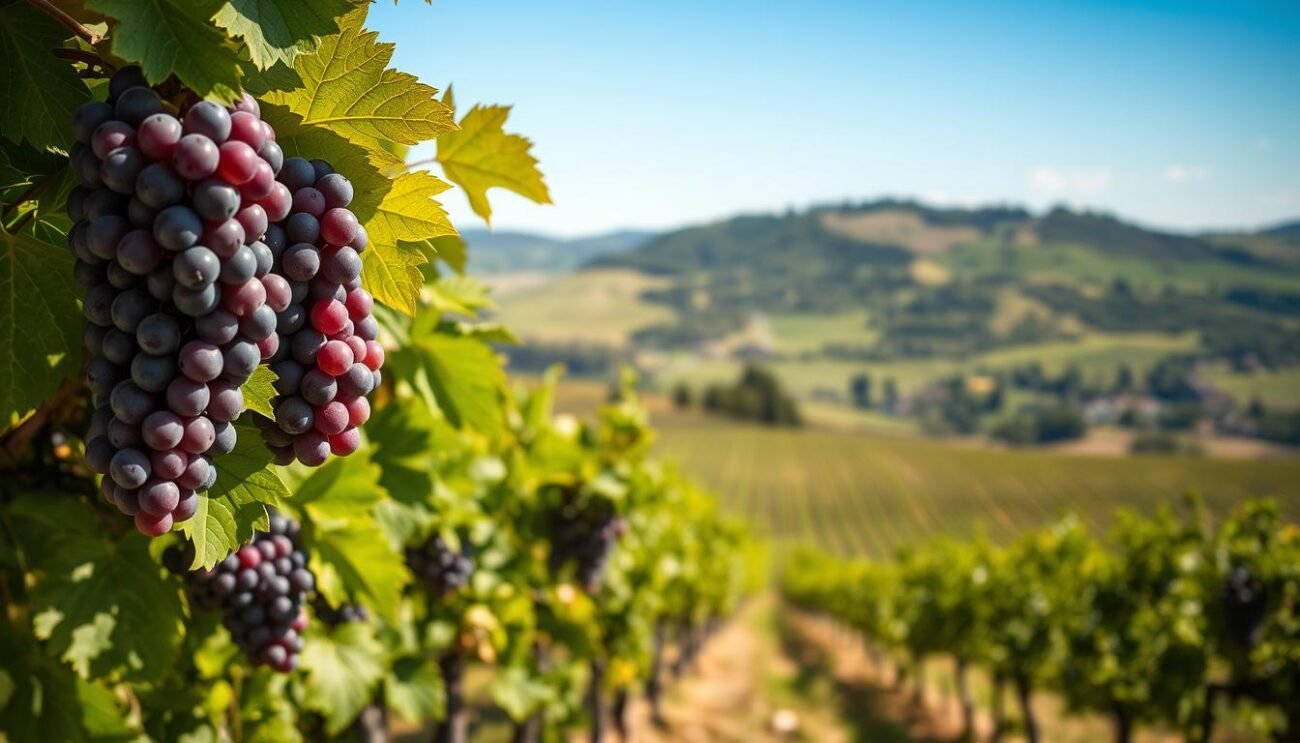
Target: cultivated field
x,y
873,494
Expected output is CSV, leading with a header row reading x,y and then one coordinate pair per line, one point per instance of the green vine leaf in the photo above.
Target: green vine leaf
x,y
279,30
106,608
39,322
168,37
413,690
259,390
38,92
343,668
349,89
481,155
466,378
235,507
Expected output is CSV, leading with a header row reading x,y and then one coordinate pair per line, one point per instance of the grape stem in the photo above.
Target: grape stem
x,y
72,24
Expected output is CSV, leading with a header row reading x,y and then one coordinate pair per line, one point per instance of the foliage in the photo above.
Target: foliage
x,y
1144,627
99,641
757,396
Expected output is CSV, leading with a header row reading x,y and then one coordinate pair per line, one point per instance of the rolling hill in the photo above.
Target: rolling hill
x,y
498,252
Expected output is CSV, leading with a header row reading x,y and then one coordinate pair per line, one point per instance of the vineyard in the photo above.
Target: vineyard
x,y
1170,622
870,495
262,476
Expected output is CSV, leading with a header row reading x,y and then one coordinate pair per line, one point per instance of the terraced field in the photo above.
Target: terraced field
x,y
867,494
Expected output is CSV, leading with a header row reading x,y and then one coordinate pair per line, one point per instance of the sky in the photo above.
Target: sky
x,y
1183,115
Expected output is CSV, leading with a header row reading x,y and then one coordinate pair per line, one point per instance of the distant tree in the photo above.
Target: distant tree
x,y
1124,378
757,396
860,390
1256,408
889,394
682,396
1171,379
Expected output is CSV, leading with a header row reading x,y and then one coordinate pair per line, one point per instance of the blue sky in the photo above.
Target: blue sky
x,y
1183,115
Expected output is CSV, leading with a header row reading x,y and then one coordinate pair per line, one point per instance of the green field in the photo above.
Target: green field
x,y
1276,389
873,494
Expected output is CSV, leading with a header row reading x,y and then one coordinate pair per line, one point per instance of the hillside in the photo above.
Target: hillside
x,y
497,252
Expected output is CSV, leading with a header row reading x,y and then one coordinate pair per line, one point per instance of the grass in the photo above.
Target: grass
x,y
798,333
1276,389
864,494
601,306
1096,354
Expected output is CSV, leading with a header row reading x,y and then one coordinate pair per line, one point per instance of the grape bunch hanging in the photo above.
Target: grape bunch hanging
x,y
260,591
585,533
203,253
442,569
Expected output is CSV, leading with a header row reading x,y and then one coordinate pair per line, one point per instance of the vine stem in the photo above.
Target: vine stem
x,y
72,24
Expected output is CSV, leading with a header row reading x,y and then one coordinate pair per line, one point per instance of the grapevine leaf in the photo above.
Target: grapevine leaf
x,y
344,486
348,89
278,30
466,378
49,701
405,450
461,295
38,92
106,608
353,560
453,250
413,690
235,507
343,669
175,37
407,215
39,322
481,155
259,390
520,694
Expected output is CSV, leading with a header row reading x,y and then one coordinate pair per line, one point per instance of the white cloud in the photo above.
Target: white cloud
x,y
1045,180
1179,174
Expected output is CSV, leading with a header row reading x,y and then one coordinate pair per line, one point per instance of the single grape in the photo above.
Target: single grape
x,y
237,162
104,233
152,373
97,305
253,219
261,185
119,347
217,327
161,283
109,136
337,191
225,439
302,228
187,397
124,79
158,135
153,526
260,324
294,415
241,360
162,431
291,320
99,454
356,382
196,302
239,267
318,387
247,103
196,473
168,464
334,358
224,237
215,199
124,435
77,202
309,201
328,316
136,104
119,278
196,267
340,265
196,157
101,202
121,168
158,186
277,202
199,435
86,166
300,262
311,448
358,410
265,258
242,299
320,169
130,468
338,226
103,376
186,507
297,173
331,418
177,228
273,155
345,443
138,252
140,214
360,240
208,119
201,361
306,345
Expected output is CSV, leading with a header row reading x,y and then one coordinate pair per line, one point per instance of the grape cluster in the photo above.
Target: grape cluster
x,y
442,569
328,359
1246,604
344,614
260,590
169,215
585,536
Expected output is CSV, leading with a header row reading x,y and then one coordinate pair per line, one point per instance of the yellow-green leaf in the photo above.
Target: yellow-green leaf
x,y
174,37
481,155
259,390
235,507
407,215
349,89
